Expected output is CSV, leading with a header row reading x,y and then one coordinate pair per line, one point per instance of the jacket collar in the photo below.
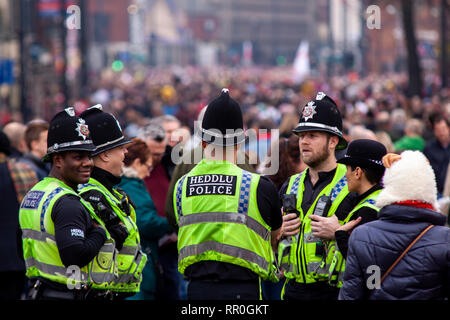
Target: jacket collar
x,y
105,178
368,192
130,172
32,158
411,214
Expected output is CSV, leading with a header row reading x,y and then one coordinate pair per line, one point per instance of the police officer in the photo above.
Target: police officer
x,y
112,205
68,253
228,218
364,172
322,190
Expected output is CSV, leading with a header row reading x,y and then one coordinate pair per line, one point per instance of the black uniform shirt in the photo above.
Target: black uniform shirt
x,y
77,239
367,214
269,206
310,193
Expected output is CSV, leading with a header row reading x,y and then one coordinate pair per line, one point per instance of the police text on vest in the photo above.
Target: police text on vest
x,y
211,184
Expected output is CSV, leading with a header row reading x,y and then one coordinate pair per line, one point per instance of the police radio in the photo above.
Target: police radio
x,y
290,204
322,206
321,209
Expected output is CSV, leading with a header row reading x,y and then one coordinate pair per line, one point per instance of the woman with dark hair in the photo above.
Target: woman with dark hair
x,y
290,162
138,162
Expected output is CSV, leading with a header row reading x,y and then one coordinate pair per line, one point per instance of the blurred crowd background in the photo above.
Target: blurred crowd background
x,y
159,62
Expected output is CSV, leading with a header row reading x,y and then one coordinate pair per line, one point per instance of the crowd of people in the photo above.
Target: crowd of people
x,y
162,113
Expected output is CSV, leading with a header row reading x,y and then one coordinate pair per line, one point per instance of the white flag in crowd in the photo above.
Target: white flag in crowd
x,y
301,67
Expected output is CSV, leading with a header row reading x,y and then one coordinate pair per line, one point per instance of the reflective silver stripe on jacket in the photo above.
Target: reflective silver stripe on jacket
x,y
310,238
244,254
129,250
129,278
314,267
229,217
48,268
37,235
53,270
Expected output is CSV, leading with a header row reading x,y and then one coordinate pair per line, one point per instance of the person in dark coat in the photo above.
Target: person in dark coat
x,y
437,151
15,181
36,140
408,205
152,227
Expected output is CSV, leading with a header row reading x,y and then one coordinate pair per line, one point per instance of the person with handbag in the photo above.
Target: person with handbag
x,y
404,254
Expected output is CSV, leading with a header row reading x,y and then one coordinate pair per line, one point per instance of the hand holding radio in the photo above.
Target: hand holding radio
x,y
291,220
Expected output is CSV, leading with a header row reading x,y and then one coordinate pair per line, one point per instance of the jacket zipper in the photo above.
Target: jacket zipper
x,y
300,250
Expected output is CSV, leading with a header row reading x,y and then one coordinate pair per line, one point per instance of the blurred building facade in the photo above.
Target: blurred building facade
x,y
208,32
44,65
273,28
385,47
9,62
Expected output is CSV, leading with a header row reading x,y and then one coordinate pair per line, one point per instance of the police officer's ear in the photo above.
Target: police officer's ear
x,y
358,172
57,159
104,156
333,141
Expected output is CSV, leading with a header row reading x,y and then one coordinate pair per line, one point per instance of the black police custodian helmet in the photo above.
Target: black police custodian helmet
x,y
322,114
67,132
365,153
106,132
222,123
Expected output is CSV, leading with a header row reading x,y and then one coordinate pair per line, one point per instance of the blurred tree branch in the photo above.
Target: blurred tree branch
x,y
414,69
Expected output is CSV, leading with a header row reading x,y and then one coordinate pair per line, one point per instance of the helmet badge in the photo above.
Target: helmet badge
x,y
309,111
82,129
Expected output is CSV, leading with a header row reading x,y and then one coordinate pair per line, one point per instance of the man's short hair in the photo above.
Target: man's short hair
x,y
33,131
166,118
152,131
437,118
415,126
15,132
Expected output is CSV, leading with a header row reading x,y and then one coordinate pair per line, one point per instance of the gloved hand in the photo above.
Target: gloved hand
x,y
119,233
113,224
